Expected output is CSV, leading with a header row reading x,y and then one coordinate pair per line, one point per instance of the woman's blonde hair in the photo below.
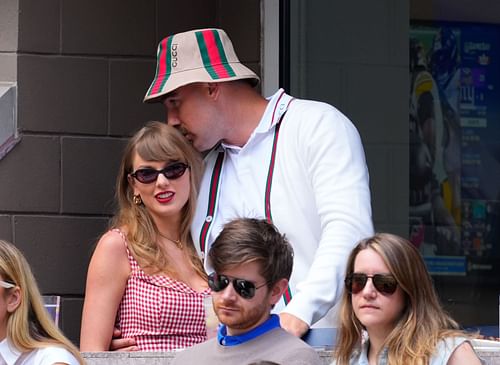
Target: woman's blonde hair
x,y
423,322
29,326
156,141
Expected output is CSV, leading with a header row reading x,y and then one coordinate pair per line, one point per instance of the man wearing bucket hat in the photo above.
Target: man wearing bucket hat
x,y
300,164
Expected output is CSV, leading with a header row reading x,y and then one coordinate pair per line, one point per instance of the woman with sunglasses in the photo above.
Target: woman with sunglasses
x,y
145,276
390,313
27,333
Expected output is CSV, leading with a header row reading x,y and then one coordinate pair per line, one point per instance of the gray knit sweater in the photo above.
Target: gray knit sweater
x,y
276,345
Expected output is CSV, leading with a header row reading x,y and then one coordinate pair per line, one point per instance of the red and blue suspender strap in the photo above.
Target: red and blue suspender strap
x,y
212,200
287,295
214,191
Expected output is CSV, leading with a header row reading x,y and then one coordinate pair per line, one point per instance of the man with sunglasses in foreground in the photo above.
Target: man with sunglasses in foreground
x,y
252,264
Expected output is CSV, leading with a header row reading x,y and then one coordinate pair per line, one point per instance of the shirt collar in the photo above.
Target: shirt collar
x,y
9,353
277,106
224,339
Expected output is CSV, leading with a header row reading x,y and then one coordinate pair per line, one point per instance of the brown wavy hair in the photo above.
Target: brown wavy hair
x,y
423,322
244,240
156,141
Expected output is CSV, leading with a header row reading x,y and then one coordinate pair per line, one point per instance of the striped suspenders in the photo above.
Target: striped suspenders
x,y
214,191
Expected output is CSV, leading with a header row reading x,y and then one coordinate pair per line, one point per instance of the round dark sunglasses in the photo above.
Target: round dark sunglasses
x,y
171,172
384,283
245,288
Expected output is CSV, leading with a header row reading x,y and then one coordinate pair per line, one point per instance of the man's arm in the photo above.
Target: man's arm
x,y
334,163
122,344
293,324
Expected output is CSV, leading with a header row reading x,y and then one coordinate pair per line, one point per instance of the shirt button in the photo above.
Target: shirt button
x,y
208,219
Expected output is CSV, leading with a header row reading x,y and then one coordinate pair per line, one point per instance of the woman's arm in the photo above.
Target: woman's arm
x,y
464,355
106,280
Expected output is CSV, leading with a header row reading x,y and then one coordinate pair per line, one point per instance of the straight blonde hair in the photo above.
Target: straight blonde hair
x,y
423,322
29,327
156,141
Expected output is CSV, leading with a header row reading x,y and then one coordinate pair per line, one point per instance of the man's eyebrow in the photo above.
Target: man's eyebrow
x,y
172,94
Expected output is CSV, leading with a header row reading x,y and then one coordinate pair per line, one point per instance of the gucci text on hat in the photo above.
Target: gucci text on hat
x,y
204,55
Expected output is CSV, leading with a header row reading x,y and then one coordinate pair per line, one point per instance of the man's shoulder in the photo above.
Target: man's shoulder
x,y
310,105
276,345
293,350
281,337
315,112
198,351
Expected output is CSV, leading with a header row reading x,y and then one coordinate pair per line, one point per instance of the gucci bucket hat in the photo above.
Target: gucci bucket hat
x,y
203,55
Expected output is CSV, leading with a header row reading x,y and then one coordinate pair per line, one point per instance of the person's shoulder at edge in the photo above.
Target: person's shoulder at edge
x,y
53,355
463,352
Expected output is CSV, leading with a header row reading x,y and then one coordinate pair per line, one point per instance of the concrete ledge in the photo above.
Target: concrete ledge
x,y
151,358
135,358
165,358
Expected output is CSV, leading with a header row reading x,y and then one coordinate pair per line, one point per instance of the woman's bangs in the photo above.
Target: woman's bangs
x,y
158,150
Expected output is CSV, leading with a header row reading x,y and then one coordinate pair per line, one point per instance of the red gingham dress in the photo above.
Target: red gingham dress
x,y
160,313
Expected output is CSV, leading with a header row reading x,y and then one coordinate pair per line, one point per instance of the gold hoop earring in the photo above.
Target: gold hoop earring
x,y
137,200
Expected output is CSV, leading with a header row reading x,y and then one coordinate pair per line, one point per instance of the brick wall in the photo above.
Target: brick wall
x,y
82,68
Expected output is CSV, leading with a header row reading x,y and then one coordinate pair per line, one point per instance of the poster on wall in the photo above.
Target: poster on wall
x,y
454,127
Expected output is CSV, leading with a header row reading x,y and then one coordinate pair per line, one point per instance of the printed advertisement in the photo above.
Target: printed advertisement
x,y
455,145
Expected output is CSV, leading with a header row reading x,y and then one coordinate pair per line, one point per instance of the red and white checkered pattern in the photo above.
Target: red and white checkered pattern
x,y
161,313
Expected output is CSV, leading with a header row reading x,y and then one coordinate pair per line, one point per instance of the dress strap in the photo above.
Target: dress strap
x,y
134,265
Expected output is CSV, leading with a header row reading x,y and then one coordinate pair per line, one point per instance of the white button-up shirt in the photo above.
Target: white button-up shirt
x,y
320,196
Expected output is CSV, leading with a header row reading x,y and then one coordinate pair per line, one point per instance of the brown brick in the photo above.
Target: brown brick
x,y
62,94
58,249
39,26
6,228
180,16
89,172
71,317
241,21
109,27
31,176
129,81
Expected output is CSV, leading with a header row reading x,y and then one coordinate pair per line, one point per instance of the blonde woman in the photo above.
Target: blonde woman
x,y
28,335
390,313
145,276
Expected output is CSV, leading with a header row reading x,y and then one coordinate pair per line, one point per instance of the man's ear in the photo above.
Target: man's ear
x,y
213,89
277,290
13,299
